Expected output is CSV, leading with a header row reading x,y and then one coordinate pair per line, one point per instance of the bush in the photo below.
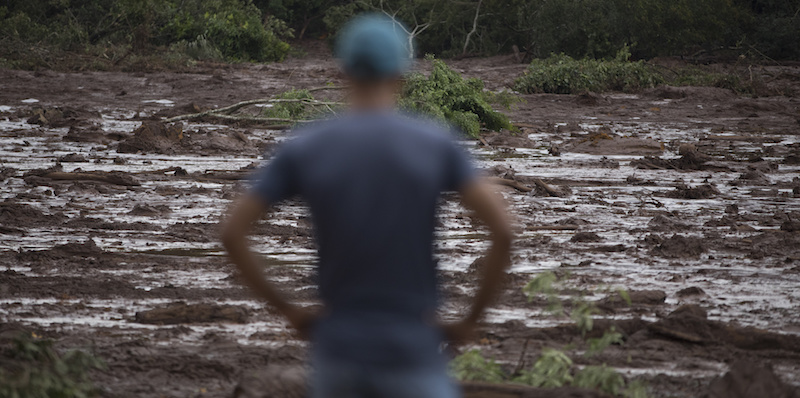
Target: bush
x,y
31,368
562,74
213,29
448,96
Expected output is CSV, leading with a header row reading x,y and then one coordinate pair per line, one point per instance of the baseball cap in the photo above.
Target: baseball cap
x,y
373,46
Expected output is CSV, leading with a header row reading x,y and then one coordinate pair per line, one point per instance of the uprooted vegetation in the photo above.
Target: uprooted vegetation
x,y
446,95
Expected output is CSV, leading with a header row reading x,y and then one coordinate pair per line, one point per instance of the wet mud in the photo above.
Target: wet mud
x,y
687,198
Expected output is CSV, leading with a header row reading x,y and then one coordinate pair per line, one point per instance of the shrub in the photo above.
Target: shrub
x,y
600,378
447,96
552,369
562,74
233,26
472,366
31,368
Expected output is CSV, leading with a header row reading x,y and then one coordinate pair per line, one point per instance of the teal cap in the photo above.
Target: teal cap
x,y
373,46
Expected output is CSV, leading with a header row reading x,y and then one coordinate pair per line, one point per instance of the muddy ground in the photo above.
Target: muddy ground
x,y
688,198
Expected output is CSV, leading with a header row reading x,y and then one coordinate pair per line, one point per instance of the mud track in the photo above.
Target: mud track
x,y
689,198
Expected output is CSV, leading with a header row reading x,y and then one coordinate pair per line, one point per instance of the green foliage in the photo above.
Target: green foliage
x,y
597,345
602,378
636,389
202,29
472,366
290,110
582,315
552,369
562,74
448,96
31,368
233,26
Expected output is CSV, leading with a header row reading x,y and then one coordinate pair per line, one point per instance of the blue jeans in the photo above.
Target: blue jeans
x,y
336,379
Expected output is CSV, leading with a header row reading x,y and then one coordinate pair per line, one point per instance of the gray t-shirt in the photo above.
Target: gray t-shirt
x,y
372,181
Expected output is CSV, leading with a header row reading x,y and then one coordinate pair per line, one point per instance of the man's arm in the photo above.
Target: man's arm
x,y
235,231
489,208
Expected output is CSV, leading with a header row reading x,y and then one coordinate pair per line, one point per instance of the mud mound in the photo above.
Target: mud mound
x,y
590,99
664,223
690,93
86,248
640,297
21,215
585,237
59,117
746,379
699,192
509,139
615,146
687,323
691,159
149,211
180,312
153,137
274,382
679,246
93,134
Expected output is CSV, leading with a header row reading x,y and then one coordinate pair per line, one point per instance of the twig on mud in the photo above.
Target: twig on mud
x,y
509,183
521,360
225,112
544,187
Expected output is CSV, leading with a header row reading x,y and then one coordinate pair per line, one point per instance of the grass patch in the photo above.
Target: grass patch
x,y
562,74
32,368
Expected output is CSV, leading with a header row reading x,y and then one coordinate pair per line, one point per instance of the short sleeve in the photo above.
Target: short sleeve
x,y
460,169
277,181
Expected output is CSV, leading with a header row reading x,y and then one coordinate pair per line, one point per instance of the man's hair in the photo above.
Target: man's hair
x,y
373,47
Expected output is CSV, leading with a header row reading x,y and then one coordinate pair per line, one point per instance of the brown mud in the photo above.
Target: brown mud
x,y
688,198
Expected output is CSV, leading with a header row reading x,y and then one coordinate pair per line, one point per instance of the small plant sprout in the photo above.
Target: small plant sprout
x,y
472,366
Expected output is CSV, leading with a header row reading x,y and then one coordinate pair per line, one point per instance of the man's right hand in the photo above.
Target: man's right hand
x,y
301,319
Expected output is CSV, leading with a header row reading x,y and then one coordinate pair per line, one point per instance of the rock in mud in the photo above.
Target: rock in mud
x,y
590,99
72,158
790,226
149,211
14,214
746,379
180,312
509,139
691,291
691,159
679,246
585,237
637,297
607,144
153,137
274,382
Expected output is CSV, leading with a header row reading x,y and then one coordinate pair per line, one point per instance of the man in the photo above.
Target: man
x,y
372,178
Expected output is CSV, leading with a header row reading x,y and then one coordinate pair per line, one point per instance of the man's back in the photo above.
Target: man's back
x,y
372,181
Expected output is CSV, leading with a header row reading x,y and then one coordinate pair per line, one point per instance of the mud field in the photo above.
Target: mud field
x,y
686,197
